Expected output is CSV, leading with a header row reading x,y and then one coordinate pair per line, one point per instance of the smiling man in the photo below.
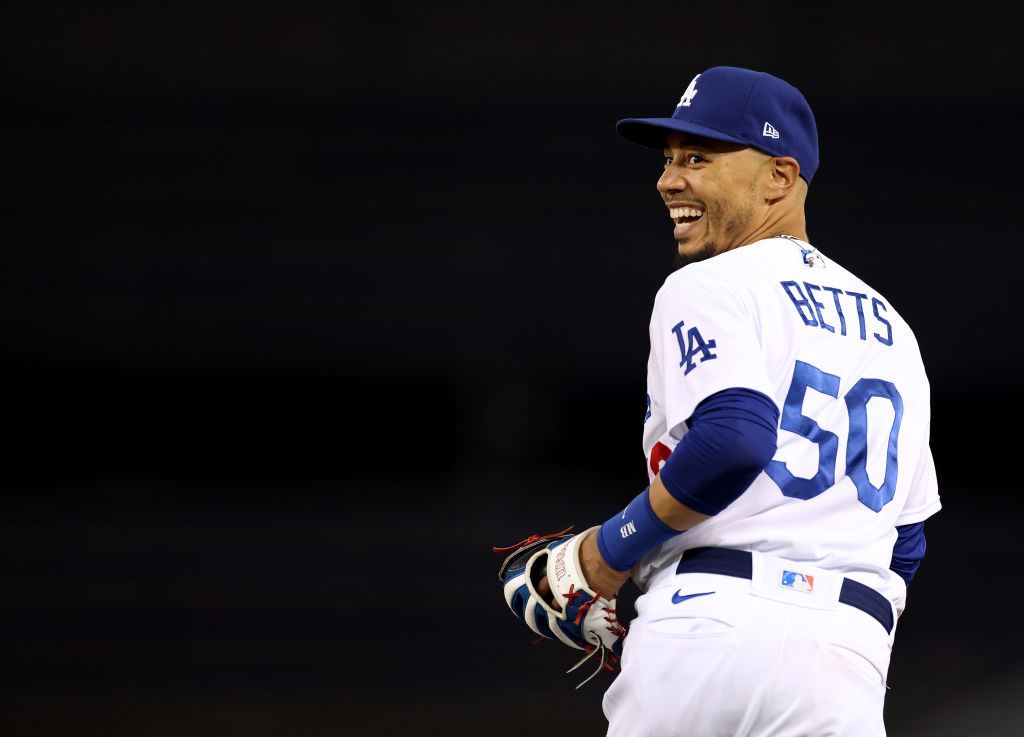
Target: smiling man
x,y
787,442
713,190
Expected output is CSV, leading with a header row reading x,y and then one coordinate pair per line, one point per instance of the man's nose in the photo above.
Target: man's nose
x,y
671,180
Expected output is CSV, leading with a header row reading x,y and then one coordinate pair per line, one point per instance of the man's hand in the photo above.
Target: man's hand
x,y
596,570
567,607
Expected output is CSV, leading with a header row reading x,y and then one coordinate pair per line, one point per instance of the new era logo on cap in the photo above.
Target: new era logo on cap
x,y
769,130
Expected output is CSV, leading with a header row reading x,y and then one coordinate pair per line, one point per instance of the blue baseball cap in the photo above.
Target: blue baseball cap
x,y
740,106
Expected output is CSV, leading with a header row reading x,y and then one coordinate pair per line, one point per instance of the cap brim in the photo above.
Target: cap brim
x,y
652,132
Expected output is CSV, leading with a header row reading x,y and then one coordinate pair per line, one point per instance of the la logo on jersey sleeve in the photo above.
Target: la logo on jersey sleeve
x,y
692,347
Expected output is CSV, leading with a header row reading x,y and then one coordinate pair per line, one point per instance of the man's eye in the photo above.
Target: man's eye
x,y
668,161
695,159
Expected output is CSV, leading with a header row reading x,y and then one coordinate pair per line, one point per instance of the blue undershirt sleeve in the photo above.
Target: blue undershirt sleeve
x,y
908,550
732,436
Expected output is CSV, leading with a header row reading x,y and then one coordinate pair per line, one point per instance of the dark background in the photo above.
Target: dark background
x,y
305,306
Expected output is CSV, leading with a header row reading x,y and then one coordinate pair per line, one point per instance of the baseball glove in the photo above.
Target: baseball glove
x,y
574,613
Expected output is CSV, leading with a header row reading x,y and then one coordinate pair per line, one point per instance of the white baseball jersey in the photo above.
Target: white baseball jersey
x,y
845,370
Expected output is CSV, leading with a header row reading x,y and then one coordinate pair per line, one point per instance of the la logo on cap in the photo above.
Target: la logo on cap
x,y
690,93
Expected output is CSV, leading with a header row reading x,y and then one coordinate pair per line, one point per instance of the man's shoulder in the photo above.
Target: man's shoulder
x,y
733,271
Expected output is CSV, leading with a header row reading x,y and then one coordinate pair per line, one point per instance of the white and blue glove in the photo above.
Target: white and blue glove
x,y
574,613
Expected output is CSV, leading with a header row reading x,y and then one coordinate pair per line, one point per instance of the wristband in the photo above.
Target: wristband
x,y
627,537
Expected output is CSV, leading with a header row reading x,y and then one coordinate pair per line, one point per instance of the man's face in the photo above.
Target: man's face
x,y
711,190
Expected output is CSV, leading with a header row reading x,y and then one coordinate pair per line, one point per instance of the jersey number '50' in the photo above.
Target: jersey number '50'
x,y
793,419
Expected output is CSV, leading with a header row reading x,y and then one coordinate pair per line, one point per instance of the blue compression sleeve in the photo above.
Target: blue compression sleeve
x,y
732,436
908,550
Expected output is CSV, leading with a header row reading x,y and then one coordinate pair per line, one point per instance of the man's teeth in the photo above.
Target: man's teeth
x,y
684,212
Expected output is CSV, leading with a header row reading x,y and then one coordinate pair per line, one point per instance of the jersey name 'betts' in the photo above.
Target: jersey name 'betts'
x,y
853,460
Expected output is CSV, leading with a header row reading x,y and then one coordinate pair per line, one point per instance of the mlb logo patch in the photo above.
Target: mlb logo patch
x,y
797,581
812,258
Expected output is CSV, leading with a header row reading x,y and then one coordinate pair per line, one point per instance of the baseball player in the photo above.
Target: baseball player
x,y
787,443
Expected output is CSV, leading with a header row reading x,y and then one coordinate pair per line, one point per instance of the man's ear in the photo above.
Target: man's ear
x,y
783,173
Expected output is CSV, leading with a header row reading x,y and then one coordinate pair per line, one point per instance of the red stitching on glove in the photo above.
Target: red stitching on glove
x,y
532,539
585,606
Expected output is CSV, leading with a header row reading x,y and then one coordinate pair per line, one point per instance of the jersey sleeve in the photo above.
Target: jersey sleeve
x,y
706,339
923,500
